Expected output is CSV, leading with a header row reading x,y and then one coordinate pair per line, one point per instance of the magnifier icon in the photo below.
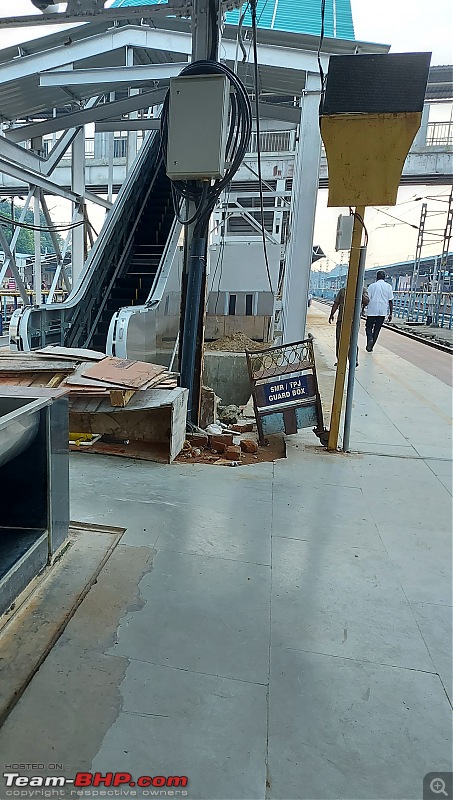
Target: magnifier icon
x,y
437,786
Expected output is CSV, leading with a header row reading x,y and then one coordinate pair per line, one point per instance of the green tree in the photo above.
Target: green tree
x,y
26,241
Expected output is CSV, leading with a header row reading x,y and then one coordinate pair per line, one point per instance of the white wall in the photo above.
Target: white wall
x,y
241,267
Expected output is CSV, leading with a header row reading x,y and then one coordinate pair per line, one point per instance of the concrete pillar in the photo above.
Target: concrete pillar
x,y
78,186
303,209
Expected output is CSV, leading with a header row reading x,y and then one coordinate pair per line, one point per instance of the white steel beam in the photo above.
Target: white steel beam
x,y
78,187
79,118
35,179
241,211
107,126
154,39
37,277
58,254
132,134
64,142
302,220
10,262
107,75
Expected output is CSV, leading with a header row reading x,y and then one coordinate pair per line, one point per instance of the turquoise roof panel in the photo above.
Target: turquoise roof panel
x,y
293,16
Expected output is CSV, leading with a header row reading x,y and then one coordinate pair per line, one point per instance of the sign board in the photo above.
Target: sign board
x,y
285,389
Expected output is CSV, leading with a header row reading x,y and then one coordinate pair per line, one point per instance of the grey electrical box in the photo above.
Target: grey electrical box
x,y
345,225
197,127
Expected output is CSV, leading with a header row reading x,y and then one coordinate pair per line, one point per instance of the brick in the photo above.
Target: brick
x,y
243,427
249,446
198,439
233,452
218,447
224,438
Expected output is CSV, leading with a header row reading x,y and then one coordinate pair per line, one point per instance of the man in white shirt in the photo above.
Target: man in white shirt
x,y
381,299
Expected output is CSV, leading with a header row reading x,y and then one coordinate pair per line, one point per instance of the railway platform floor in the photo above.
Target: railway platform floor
x,y
275,632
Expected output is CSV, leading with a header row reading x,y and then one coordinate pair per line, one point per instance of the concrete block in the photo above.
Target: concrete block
x,y
227,375
208,408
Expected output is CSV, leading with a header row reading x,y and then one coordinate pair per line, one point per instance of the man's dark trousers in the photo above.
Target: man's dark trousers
x,y
373,327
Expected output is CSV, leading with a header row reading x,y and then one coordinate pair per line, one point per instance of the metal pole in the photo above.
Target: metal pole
x,y
353,350
37,238
345,333
193,283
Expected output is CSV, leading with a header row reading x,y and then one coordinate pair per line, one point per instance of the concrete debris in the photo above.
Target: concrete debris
x,y
243,427
229,414
208,408
214,429
221,442
236,343
233,452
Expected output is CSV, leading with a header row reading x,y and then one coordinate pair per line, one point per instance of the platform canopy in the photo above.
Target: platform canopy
x,y
63,70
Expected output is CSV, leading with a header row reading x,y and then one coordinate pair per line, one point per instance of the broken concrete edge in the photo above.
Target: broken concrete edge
x,y
21,603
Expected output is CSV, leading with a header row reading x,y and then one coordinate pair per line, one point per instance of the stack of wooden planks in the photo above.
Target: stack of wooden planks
x,y
83,373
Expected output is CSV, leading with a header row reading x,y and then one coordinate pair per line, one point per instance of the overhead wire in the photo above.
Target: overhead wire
x,y
41,228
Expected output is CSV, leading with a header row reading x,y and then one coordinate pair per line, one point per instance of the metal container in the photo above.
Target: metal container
x,y
19,423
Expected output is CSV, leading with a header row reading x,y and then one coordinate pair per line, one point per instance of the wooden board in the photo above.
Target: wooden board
x,y
119,398
143,451
125,373
71,353
29,363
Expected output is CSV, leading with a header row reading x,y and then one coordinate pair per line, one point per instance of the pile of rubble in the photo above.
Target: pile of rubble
x,y
236,343
222,445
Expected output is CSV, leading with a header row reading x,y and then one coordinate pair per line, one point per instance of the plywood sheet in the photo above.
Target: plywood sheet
x,y
72,353
122,372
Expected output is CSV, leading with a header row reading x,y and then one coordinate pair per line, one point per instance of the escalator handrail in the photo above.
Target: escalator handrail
x,y
147,151
137,172
165,264
123,258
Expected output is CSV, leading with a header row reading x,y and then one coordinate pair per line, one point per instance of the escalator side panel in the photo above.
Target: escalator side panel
x,y
139,219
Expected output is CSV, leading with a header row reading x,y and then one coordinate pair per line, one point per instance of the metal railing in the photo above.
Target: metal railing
x,y
439,134
437,306
273,142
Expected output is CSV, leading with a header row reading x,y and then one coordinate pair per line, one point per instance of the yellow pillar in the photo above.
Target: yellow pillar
x,y
346,327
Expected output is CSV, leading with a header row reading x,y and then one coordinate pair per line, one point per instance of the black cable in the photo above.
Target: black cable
x,y
30,227
258,145
204,194
362,222
214,30
240,37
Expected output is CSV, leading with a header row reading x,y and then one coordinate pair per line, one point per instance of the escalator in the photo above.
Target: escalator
x,y
121,269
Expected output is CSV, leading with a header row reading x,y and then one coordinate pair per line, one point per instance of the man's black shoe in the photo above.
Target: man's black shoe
x,y
369,348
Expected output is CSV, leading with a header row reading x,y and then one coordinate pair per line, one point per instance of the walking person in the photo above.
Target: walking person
x,y
338,305
381,299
